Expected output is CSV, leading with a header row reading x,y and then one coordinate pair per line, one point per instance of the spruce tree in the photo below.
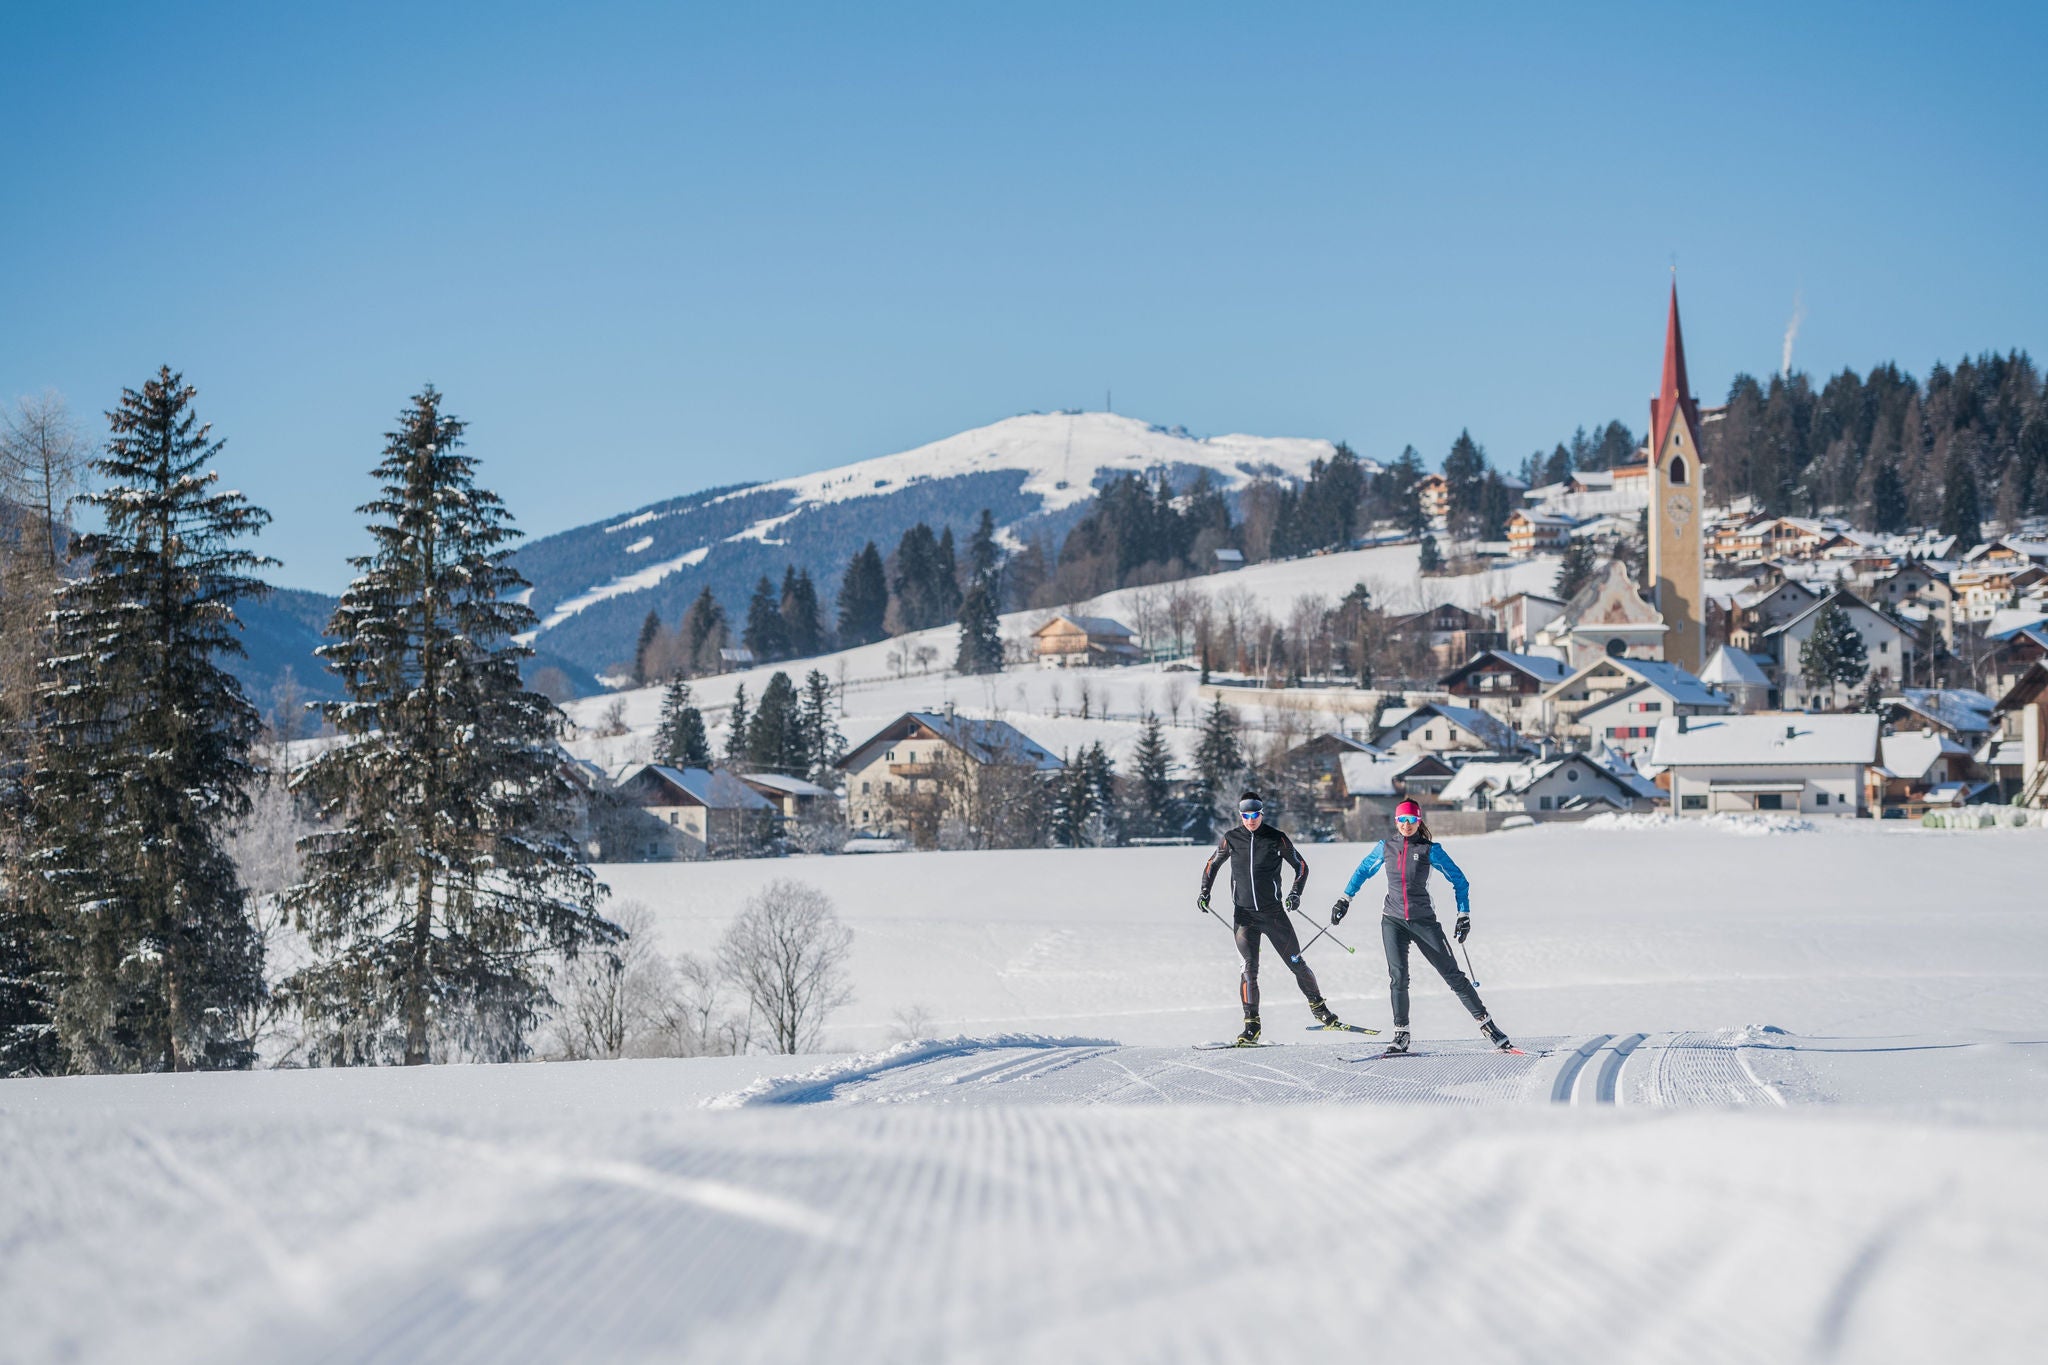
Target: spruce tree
x,y
863,599
1148,793
1961,515
1464,471
946,579
775,739
981,640
1889,514
1431,559
447,873
146,758
1833,655
650,631
766,634
736,722
1575,570
984,554
680,741
800,614
823,745
1219,758
704,633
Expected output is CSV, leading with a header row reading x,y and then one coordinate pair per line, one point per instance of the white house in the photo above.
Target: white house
x,y
1565,704
1815,765
1736,675
1885,643
1626,722
702,812
1569,782
930,758
1439,727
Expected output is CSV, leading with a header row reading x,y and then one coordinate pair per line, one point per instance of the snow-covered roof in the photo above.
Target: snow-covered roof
x,y
1516,775
985,741
1489,729
1094,625
1783,739
1732,667
792,786
2007,622
1961,709
1675,682
714,788
1909,756
1543,669
1374,774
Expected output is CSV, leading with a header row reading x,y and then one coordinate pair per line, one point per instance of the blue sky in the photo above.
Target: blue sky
x,y
649,248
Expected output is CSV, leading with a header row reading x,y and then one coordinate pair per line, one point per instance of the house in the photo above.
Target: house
x,y
1814,765
1981,592
1566,783
1625,722
930,765
2018,639
2008,552
1915,592
1606,678
1453,632
2019,753
1886,643
1373,783
1521,616
1507,684
1440,727
1763,538
1921,770
1961,713
793,797
1532,533
1227,559
1084,642
1318,762
1762,609
1433,493
1739,676
702,813
1607,617
733,658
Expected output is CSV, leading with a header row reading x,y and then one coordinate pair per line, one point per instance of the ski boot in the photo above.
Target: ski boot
x,y
1325,1016
1493,1035
1399,1042
1250,1036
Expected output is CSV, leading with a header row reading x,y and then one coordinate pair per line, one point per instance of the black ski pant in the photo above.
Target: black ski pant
x,y
1428,936
1280,929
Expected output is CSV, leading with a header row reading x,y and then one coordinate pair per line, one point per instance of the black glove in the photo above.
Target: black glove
x,y
1340,909
1293,901
1202,902
1464,928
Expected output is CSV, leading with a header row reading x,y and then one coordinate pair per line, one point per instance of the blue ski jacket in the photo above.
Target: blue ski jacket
x,y
1408,878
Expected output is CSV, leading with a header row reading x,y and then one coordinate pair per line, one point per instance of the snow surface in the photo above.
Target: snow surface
x,y
1784,1099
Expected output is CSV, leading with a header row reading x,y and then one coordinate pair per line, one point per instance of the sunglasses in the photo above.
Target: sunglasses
x,y
1250,814
1407,819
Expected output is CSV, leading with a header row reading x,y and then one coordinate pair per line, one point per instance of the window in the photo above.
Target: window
x,y
1678,469
863,789
889,757
1546,803
1692,803
1770,801
1571,774
1884,646
1820,799
1616,647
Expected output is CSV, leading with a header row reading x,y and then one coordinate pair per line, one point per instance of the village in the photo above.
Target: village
x,y
1742,664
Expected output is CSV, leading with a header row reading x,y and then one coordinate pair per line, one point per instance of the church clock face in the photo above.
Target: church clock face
x,y
1678,507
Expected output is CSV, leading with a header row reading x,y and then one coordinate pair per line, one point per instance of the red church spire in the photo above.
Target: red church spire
x,y
1674,395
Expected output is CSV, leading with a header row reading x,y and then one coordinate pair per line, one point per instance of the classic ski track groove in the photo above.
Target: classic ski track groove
x,y
1610,1069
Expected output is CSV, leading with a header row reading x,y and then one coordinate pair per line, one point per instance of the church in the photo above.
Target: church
x,y
1611,615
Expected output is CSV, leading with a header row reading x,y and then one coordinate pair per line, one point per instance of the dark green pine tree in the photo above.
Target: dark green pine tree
x,y
446,874
863,599
146,759
680,741
737,720
1961,515
1219,758
1432,559
981,639
1148,792
766,634
775,736
919,597
1464,475
1575,570
823,745
1889,513
1833,655
946,578
704,633
1084,811
984,554
800,614
650,631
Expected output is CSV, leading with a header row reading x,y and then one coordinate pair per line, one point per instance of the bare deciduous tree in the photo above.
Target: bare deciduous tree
x,y
787,954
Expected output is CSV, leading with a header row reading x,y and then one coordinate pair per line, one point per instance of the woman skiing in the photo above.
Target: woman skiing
x,y
1255,851
1408,916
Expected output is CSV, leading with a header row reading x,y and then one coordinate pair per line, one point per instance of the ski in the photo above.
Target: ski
x,y
1226,1047
1382,1056
1341,1028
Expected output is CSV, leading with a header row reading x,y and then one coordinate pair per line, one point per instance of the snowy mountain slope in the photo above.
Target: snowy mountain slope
x,y
594,584
881,681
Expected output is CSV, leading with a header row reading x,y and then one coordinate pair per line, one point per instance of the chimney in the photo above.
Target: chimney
x,y
1681,722
1791,732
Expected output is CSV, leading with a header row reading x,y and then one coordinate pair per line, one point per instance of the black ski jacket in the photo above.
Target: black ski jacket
x,y
1255,858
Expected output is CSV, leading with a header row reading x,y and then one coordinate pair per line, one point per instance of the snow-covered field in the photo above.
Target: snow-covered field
x,y
879,682
1786,1098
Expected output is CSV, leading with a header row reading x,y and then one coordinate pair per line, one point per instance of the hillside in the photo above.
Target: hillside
x,y
593,585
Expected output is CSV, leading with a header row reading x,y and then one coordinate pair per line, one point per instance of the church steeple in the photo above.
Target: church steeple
x,y
1674,395
1677,481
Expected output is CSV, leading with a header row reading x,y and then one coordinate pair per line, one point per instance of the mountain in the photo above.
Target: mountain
x,y
592,586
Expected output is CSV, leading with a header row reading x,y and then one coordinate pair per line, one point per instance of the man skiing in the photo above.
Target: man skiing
x,y
1255,851
1409,916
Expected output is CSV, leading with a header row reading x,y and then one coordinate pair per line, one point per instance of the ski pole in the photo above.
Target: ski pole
x,y
1470,975
1318,934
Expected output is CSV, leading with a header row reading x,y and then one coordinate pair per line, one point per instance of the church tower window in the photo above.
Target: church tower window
x,y
1678,469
